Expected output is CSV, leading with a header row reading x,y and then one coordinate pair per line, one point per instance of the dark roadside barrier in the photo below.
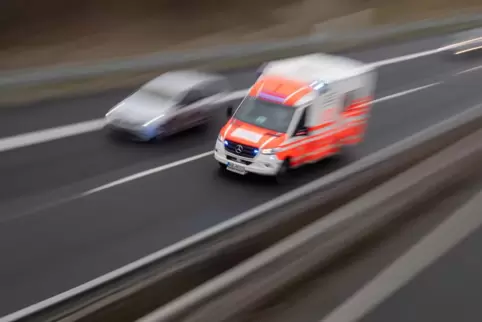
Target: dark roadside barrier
x,y
234,295
143,289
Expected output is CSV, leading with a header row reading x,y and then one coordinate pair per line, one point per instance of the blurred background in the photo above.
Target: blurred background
x,y
47,32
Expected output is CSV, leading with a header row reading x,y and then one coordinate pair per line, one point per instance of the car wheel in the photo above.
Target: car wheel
x,y
222,168
283,173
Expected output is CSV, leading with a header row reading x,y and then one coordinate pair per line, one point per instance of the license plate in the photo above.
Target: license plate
x,y
239,169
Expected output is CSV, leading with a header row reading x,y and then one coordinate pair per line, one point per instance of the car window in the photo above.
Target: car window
x,y
348,100
191,97
212,89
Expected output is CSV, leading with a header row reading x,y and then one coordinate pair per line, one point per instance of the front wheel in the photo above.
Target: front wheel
x,y
221,168
283,173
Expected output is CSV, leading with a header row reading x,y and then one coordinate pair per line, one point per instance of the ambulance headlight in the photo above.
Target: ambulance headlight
x,y
270,151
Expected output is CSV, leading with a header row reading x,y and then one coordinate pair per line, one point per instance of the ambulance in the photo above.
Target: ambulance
x,y
300,110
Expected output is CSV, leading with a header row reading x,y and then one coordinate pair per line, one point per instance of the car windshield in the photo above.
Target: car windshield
x,y
268,115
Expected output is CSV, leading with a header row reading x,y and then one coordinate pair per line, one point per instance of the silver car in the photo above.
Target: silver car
x,y
465,42
170,103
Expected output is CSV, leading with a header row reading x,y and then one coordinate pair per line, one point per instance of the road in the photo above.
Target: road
x,y
54,237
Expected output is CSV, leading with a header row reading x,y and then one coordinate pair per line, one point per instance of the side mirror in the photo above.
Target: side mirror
x,y
301,132
229,111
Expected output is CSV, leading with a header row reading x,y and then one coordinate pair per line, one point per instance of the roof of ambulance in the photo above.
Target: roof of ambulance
x,y
315,67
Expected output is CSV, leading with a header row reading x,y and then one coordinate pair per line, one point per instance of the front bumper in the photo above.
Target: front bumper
x,y
266,165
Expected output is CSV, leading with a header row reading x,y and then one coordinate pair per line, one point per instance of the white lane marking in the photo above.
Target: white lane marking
x,y
37,137
407,57
147,173
205,154
23,140
413,90
469,70
438,242
468,50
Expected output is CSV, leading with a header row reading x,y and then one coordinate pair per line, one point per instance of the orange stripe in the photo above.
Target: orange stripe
x,y
256,88
319,127
331,132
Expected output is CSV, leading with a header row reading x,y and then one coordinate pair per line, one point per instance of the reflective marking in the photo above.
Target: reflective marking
x,y
227,130
260,89
313,138
246,135
295,92
266,142
320,150
356,118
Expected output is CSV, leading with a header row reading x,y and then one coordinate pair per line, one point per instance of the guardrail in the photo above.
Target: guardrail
x,y
316,42
132,291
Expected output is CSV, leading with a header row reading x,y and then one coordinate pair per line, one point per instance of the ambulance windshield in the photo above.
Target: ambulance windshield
x,y
268,115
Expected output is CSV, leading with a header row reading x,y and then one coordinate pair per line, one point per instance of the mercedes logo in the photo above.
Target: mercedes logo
x,y
239,149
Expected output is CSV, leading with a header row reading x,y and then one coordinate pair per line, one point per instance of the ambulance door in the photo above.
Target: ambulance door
x,y
324,119
297,145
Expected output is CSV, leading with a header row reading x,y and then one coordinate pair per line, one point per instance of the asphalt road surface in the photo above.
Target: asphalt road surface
x,y
53,237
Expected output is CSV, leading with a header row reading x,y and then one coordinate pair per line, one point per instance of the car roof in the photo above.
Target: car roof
x,y
177,82
316,67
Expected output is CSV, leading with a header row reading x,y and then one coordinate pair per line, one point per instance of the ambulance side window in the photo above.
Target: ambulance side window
x,y
348,99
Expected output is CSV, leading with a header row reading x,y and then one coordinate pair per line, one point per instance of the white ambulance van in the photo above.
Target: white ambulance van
x,y
300,110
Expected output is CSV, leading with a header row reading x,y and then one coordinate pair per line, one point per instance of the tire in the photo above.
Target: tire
x,y
221,168
283,173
